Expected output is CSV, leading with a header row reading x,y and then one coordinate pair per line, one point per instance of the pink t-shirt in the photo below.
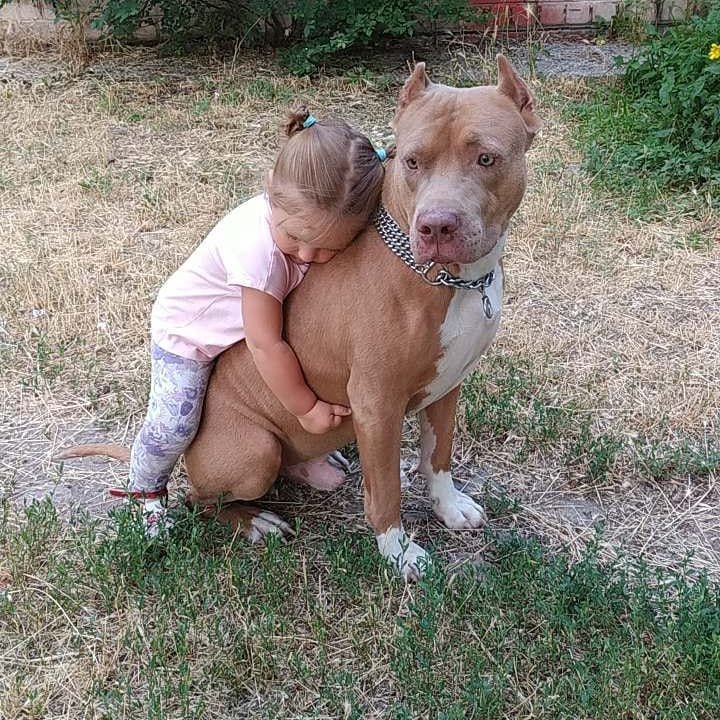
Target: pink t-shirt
x,y
198,311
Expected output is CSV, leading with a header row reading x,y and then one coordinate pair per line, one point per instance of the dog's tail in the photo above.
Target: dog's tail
x,y
118,452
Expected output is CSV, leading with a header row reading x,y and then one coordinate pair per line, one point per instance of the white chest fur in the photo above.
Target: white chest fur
x,y
466,333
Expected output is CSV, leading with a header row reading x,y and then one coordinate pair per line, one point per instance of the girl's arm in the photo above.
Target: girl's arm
x,y
279,367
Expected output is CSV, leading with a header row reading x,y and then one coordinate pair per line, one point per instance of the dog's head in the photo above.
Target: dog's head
x,y
461,163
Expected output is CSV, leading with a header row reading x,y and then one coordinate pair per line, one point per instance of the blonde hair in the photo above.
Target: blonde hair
x,y
327,163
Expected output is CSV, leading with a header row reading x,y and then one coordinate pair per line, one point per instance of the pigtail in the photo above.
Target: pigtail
x,y
384,154
331,165
295,121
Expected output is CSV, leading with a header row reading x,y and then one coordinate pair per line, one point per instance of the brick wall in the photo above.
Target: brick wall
x,y
569,14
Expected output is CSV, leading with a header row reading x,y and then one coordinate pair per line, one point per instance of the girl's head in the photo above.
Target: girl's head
x,y
324,186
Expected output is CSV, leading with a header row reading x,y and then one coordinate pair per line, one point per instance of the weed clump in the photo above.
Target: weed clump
x,y
659,127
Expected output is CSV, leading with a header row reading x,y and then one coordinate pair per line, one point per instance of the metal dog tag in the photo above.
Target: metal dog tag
x,y
487,307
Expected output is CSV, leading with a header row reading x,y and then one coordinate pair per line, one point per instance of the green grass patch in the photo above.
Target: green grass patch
x,y
98,181
134,116
501,398
702,242
202,106
269,89
203,626
506,402
663,460
657,129
48,360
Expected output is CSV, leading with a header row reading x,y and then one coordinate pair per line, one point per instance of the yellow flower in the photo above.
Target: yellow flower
x,y
714,53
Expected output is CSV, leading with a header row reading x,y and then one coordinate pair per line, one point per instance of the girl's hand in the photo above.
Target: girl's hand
x,y
323,417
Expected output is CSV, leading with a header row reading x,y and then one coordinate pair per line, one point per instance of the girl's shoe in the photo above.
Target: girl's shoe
x,y
153,507
155,517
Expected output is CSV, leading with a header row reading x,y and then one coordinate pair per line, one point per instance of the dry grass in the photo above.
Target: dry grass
x,y
109,180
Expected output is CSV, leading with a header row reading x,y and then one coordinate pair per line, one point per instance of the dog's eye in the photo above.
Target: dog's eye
x,y
412,163
486,160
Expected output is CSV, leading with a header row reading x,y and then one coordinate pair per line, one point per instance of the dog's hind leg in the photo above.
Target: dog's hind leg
x,y
252,522
239,461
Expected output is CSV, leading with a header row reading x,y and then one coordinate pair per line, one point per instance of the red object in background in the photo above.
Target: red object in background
x,y
509,13
512,14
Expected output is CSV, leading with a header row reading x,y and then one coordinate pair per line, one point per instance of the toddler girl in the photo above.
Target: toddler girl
x,y
321,192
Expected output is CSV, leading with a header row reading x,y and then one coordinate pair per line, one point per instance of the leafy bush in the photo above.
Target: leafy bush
x,y
309,30
661,124
326,27
183,21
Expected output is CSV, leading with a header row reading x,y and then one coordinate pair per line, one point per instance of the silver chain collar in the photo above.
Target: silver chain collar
x,y
394,237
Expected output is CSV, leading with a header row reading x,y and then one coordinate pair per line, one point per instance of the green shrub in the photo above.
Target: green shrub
x,y
328,27
184,21
660,125
310,31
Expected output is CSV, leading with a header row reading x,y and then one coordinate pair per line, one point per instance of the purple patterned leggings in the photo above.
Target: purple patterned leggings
x,y
177,392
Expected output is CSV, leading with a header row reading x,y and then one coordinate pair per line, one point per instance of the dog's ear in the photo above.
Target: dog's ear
x,y
414,86
510,84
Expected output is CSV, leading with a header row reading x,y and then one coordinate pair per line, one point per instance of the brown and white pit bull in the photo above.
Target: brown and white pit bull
x,y
372,334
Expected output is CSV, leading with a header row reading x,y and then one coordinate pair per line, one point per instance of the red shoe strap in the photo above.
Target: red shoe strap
x,y
138,494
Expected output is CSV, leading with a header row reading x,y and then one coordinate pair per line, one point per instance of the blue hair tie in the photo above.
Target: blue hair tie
x,y
309,121
381,153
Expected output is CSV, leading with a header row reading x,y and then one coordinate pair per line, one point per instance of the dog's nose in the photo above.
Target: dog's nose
x,y
437,225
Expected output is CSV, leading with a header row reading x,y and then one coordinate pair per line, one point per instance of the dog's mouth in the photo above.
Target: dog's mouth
x,y
459,249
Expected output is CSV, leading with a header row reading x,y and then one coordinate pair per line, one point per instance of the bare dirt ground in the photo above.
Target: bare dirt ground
x,y
108,180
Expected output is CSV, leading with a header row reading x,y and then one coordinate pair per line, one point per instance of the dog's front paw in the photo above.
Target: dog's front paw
x,y
403,554
455,509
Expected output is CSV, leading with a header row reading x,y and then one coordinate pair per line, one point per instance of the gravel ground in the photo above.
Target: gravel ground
x,y
578,57
573,58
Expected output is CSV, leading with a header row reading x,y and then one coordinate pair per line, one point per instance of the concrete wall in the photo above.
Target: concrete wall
x,y
34,21
27,19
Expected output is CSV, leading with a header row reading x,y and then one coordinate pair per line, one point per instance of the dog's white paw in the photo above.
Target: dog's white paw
x,y
407,557
267,523
454,508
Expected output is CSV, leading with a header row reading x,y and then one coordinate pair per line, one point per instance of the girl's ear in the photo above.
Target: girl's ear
x,y
267,183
